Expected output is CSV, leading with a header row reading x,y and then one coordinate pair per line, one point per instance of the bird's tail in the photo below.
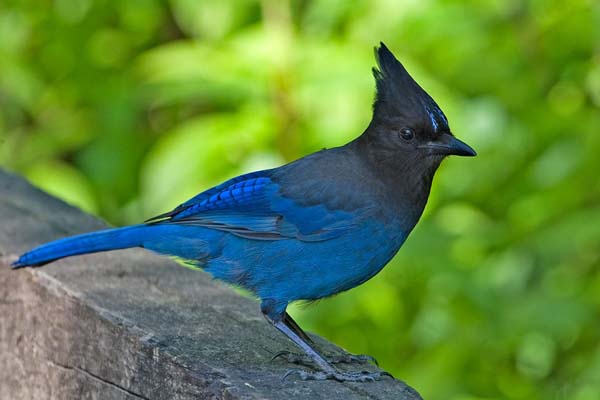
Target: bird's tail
x,y
109,239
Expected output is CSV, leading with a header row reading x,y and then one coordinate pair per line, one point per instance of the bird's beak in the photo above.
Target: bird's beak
x,y
446,144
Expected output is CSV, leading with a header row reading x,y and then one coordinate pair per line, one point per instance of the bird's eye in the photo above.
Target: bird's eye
x,y
407,133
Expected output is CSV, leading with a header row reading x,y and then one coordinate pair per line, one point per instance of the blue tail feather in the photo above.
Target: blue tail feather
x,y
109,239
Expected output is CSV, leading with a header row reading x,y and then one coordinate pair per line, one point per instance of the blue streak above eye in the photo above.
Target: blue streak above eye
x,y
433,121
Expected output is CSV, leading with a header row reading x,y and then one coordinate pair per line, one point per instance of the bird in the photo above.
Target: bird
x,y
317,226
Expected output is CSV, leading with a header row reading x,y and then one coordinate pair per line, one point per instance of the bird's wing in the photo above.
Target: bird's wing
x,y
253,206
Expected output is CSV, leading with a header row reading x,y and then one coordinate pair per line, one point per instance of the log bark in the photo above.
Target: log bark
x,y
132,325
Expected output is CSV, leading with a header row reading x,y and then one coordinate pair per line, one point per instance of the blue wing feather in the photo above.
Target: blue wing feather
x,y
249,193
252,206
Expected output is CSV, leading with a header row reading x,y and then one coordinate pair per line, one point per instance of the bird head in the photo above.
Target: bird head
x,y
407,123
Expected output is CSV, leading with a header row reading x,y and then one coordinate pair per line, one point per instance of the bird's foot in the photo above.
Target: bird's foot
x,y
345,358
363,376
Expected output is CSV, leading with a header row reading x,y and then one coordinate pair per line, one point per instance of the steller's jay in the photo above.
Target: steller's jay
x,y
309,229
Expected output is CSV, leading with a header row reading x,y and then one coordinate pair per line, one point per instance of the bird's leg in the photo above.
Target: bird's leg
x,y
304,359
293,325
326,370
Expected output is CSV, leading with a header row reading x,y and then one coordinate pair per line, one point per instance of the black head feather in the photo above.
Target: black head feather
x,y
398,95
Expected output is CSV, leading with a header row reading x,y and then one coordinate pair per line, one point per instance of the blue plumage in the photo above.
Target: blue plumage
x,y
309,229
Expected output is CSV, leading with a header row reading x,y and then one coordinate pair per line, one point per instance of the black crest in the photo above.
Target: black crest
x,y
398,93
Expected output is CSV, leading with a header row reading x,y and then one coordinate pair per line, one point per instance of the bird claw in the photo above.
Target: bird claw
x,y
353,358
363,376
346,358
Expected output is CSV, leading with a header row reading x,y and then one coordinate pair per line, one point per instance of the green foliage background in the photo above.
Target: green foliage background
x,y
127,108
